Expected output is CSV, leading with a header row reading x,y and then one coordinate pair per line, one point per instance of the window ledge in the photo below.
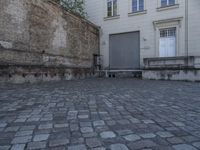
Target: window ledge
x,y
111,18
137,13
168,7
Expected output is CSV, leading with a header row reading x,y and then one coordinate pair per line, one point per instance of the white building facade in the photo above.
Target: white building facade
x,y
132,30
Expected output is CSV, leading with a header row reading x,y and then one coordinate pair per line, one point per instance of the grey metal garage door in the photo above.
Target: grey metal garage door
x,y
125,51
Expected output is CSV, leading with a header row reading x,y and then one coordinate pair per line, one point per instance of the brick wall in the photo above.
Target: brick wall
x,y
41,41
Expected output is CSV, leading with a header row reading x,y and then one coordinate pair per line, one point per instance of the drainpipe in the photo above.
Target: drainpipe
x,y
186,30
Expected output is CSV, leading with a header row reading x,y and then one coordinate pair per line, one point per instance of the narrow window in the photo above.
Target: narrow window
x,y
171,2
141,5
111,8
114,7
165,3
137,5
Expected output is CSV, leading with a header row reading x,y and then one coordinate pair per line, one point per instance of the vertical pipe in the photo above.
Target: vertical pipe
x,y
186,28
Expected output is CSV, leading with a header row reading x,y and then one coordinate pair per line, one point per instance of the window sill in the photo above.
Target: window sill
x,y
111,18
137,13
168,7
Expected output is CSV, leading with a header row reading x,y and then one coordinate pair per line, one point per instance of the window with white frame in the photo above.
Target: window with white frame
x,y
165,3
137,5
111,8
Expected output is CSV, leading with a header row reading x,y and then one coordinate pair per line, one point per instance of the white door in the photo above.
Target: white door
x,y
167,42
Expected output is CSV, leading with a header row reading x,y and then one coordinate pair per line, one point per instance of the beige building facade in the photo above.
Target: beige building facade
x,y
165,28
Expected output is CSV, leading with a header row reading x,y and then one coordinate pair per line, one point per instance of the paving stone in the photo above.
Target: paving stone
x,y
124,132
76,141
148,135
29,120
134,120
91,134
142,144
107,134
20,120
132,137
164,134
184,147
123,122
148,121
196,144
36,145
85,124
40,137
99,123
27,128
12,129
74,127
83,116
111,123
45,126
2,125
175,140
21,140
58,142
24,133
5,147
86,129
93,142
118,147
77,147
72,115
99,148
18,147
190,138
179,124
63,125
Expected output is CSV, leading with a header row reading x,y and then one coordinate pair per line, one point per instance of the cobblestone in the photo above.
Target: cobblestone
x,y
77,147
93,142
40,137
184,147
132,137
18,147
118,147
100,114
36,145
21,140
58,142
107,134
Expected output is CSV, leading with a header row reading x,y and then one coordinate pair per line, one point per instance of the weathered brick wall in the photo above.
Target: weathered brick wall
x,y
41,41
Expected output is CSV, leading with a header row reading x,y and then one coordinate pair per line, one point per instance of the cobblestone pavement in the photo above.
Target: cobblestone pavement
x,y
99,114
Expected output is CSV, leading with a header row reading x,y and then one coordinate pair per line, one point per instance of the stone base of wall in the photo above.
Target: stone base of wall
x,y
173,74
33,74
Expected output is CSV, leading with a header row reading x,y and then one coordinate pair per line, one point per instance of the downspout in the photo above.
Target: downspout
x,y
186,28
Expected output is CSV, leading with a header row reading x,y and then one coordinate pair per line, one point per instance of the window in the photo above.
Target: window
x,y
165,3
137,5
171,32
111,8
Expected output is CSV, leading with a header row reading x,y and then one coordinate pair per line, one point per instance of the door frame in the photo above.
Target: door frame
x,y
167,23
167,37
119,34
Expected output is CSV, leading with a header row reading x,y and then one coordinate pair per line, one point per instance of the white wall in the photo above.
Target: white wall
x,y
194,27
96,10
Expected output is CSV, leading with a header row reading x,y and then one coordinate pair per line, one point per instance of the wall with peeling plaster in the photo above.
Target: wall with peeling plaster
x,y
39,40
